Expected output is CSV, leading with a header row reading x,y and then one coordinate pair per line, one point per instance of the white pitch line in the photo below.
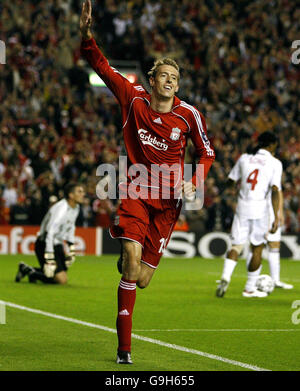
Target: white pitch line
x,y
217,330
141,338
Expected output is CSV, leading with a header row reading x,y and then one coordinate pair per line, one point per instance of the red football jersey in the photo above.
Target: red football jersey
x,y
152,139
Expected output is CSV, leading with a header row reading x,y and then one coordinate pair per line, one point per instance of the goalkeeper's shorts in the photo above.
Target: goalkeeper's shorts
x,y
59,254
149,222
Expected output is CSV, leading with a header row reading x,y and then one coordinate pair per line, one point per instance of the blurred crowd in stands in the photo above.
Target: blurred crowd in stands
x,y
235,59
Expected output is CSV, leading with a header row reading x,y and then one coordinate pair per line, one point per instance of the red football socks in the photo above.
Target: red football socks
x,y
126,300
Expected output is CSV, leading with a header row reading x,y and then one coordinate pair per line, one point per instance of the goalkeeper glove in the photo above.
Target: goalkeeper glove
x,y
70,259
50,265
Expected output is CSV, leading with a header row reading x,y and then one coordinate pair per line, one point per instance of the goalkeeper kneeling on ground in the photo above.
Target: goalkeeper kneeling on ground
x,y
57,227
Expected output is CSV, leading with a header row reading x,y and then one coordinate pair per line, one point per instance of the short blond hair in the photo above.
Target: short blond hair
x,y
163,61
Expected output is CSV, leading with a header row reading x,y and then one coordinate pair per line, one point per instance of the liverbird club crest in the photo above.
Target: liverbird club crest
x,y
175,134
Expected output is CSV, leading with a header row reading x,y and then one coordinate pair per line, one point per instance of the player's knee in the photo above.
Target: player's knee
x,y
257,253
274,245
142,284
61,278
144,280
235,251
145,276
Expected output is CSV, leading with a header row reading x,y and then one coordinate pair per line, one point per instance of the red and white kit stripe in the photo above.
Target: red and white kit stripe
x,y
130,286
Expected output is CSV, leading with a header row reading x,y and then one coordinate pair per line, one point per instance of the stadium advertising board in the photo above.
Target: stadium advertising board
x,y
211,245
95,241
20,240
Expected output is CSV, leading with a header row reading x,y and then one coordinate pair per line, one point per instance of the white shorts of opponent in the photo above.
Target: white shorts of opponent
x,y
254,230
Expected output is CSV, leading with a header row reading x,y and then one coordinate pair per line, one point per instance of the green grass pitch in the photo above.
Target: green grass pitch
x,y
179,307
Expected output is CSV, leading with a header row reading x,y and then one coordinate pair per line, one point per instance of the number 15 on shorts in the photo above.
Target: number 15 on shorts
x,y
163,243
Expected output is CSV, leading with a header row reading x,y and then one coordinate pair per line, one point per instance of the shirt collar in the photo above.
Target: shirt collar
x,y
176,101
263,151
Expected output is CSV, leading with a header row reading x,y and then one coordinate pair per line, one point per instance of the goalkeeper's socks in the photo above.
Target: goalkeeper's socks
x,y
126,301
274,263
38,275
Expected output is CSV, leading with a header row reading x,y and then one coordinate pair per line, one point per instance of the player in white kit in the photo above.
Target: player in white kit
x,y
57,227
274,246
259,175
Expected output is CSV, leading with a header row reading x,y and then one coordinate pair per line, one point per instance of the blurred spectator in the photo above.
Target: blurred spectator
x,y
4,211
181,224
10,194
37,210
235,68
103,210
20,212
87,213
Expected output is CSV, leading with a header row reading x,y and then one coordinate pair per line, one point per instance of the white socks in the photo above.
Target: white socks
x,y
274,263
252,278
228,269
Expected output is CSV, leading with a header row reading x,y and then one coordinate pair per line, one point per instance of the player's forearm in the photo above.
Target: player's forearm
x,y
118,84
91,52
202,170
281,213
275,200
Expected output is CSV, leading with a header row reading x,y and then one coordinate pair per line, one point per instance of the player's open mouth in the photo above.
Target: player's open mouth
x,y
169,88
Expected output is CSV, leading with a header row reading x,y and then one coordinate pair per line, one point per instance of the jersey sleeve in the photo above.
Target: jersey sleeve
x,y
203,147
235,173
56,218
119,85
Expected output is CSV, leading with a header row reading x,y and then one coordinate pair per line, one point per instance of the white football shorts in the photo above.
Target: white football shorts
x,y
275,237
244,229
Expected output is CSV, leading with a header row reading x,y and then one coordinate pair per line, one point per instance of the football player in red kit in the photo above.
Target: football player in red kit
x,y
156,128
